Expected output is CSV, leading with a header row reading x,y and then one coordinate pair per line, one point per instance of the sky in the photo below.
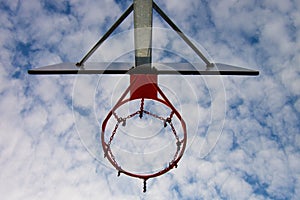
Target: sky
x,y
243,132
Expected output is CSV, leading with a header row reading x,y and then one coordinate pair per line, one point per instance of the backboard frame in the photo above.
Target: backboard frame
x,y
157,68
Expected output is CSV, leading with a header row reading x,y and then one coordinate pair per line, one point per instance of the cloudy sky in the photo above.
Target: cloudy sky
x,y
243,132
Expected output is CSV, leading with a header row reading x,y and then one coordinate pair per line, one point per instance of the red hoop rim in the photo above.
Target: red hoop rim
x,y
171,165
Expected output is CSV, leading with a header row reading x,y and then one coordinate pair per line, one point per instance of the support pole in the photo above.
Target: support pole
x,y
145,84
143,32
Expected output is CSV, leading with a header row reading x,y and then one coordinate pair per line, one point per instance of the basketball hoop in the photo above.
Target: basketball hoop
x,y
139,83
143,82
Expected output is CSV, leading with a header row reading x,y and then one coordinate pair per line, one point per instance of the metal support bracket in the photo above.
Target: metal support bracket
x,y
106,35
181,34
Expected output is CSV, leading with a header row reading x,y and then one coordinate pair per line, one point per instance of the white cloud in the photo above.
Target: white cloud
x,y
257,156
236,188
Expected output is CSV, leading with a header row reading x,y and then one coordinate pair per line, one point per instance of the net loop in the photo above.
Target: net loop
x,y
145,186
141,108
120,119
168,119
108,150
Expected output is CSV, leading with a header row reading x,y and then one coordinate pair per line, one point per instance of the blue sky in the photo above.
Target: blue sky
x,y
243,132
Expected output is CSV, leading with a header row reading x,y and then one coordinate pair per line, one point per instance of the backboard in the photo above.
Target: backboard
x,y
157,68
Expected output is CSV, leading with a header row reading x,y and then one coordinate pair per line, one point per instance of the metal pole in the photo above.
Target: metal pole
x,y
143,32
